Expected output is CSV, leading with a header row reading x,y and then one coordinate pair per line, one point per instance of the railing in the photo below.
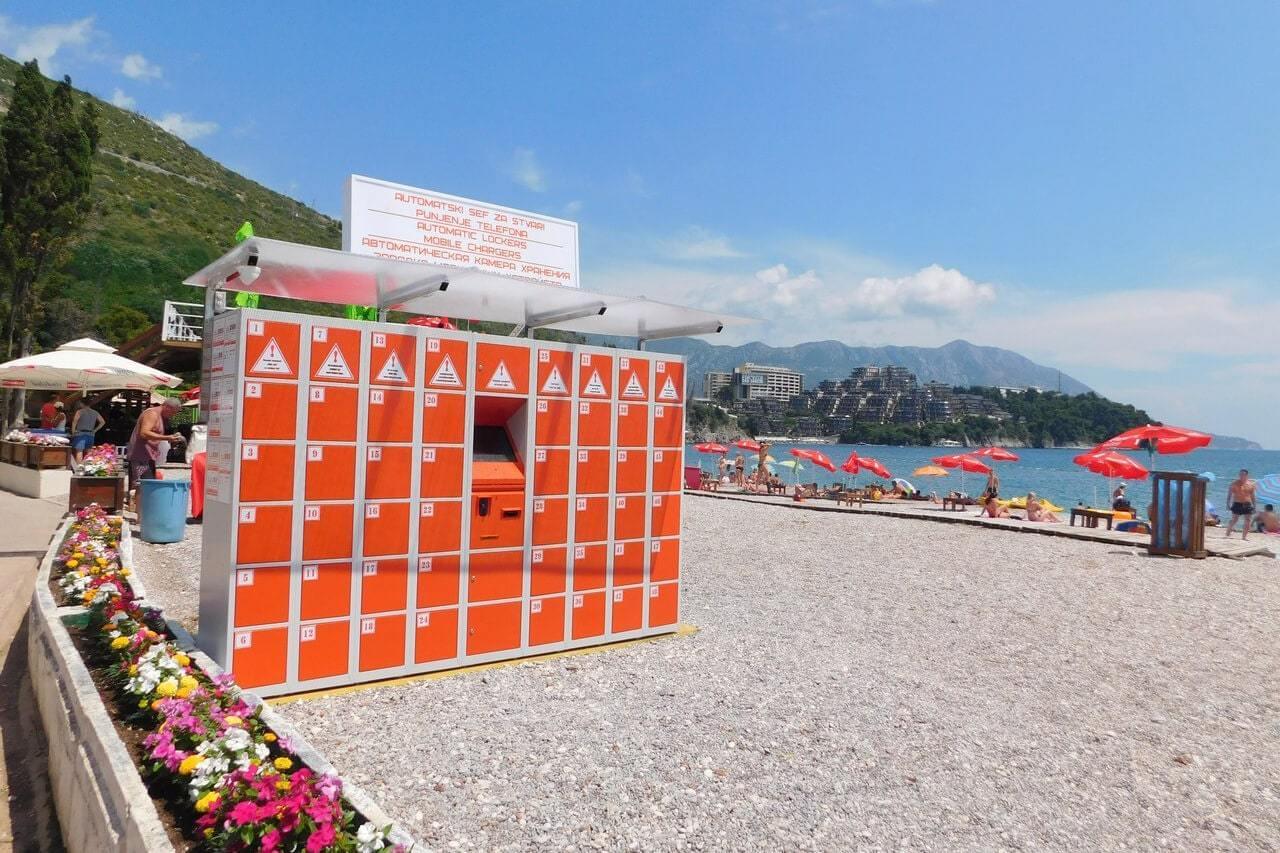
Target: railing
x,y
183,322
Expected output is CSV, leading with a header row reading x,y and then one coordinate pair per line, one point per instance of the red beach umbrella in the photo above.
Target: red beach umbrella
x,y
817,457
850,465
963,462
1110,464
747,444
874,467
1157,438
995,454
710,447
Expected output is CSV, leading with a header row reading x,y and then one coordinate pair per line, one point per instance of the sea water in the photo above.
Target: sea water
x,y
1049,473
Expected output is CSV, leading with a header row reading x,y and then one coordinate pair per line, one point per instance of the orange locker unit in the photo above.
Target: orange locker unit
x,y
398,499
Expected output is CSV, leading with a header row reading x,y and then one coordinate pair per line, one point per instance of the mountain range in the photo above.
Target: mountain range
x,y
957,363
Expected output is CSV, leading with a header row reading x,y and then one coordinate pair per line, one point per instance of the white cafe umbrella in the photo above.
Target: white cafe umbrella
x,y
82,365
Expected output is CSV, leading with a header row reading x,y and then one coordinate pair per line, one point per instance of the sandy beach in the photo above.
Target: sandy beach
x,y
856,682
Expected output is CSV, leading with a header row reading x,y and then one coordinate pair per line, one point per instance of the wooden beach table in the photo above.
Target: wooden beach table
x,y
957,504
1091,517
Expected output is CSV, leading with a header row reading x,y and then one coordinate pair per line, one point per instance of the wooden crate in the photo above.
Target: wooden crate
x,y
1177,528
7,450
39,456
106,492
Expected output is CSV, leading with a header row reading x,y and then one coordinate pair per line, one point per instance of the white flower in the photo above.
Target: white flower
x,y
369,838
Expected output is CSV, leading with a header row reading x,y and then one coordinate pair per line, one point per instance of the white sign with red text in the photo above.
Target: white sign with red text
x,y
394,221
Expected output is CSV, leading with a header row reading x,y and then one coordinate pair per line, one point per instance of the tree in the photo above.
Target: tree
x,y
45,178
120,323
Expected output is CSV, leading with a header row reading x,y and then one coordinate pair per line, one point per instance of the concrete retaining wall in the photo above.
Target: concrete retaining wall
x,y
32,483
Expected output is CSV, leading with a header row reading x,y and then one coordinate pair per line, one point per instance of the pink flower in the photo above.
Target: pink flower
x,y
321,838
270,841
242,813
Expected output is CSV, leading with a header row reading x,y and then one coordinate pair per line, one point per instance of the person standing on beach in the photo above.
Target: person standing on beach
x,y
993,485
739,467
85,424
149,444
1241,495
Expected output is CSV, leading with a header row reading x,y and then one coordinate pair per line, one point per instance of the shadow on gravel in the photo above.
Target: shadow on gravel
x,y
32,823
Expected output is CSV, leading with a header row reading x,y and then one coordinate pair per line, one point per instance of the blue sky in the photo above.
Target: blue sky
x,y
1095,185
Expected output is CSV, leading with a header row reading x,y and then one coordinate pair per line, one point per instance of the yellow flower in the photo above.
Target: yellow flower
x,y
143,704
182,659
155,704
124,573
78,555
187,681
283,785
133,669
168,687
101,561
206,802
95,570
208,832
119,643
232,720
184,692
71,564
189,764
282,763
269,737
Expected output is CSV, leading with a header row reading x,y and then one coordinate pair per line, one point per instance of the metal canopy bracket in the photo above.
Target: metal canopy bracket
x,y
414,290
710,327
564,315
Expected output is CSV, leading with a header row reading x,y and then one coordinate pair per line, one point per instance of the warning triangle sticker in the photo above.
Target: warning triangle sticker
x,y
334,366
272,360
393,370
501,380
446,374
633,387
595,386
555,383
668,391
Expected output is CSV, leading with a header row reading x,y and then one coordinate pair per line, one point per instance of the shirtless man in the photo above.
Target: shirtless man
x,y
1241,495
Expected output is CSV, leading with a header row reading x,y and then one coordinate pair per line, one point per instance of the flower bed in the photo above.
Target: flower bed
x,y
223,777
100,461
22,436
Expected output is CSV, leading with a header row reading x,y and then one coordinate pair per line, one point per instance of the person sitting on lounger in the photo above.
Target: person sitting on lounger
x,y
992,508
1037,512
1267,520
1119,501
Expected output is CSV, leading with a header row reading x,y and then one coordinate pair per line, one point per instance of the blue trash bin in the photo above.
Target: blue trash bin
x,y
164,509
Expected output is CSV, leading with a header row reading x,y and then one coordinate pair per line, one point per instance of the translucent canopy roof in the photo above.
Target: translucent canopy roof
x,y
296,271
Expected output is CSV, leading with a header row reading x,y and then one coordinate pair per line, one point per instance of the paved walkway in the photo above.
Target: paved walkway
x,y
27,818
1215,543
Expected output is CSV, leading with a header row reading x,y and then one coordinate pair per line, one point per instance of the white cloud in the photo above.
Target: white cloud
x,y
573,208
45,42
525,170
135,66
186,127
930,290
121,100
698,244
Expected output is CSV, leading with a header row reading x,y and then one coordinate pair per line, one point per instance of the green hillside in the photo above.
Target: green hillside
x,y
161,211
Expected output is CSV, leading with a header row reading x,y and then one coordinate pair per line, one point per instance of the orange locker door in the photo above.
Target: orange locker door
x,y
388,472
552,422
595,376
666,515
628,609
436,635
555,371
270,411
393,358
546,620
548,571
441,472
633,424
326,590
493,627
258,658
262,596
502,369
667,476
266,472
669,382
331,413
497,520
384,585
335,354
668,426
439,526
264,534
381,641
327,531
593,471
594,427
331,472
322,649
492,575
446,364
628,517
664,604
590,563
550,471
588,615
633,379
664,559
591,520
271,349
390,415
386,529
550,521
628,563
438,580
631,471
444,418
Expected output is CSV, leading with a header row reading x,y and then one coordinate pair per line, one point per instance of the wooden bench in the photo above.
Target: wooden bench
x,y
957,504
1091,517
850,497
